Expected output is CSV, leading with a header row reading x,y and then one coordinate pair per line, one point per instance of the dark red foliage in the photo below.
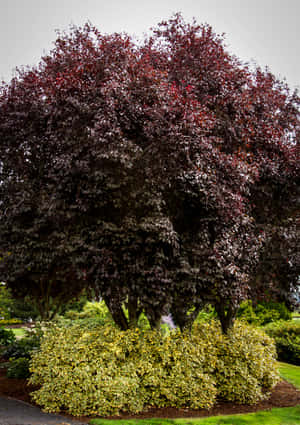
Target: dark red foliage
x,y
162,175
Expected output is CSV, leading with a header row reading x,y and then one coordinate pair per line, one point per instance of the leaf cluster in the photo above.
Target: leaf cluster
x,y
7,336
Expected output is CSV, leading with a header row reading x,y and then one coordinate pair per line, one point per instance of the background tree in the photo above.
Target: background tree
x,y
154,173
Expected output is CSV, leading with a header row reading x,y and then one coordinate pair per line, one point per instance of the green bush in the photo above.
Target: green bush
x,y
95,314
5,322
246,365
75,304
23,347
206,314
272,312
10,307
246,312
263,313
6,336
103,371
91,310
87,323
287,339
18,368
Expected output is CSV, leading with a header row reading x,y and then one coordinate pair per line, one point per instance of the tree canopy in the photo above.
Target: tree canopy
x,y
162,174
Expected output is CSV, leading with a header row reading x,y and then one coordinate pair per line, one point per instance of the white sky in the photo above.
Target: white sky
x,y
266,31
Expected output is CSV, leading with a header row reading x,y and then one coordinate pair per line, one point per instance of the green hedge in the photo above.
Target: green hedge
x,y
91,310
105,371
287,339
5,322
263,313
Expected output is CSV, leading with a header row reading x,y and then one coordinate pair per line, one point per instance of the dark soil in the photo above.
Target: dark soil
x,y
20,325
283,395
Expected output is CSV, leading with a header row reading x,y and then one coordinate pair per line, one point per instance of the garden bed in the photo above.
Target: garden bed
x,y
283,395
19,325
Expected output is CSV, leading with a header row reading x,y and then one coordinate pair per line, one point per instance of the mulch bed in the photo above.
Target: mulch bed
x,y
283,395
19,325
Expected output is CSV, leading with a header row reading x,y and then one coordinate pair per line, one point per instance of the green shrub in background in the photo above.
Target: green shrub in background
x,y
103,371
11,308
263,313
91,310
24,346
206,314
96,313
246,313
18,368
258,315
75,304
19,352
6,336
24,309
6,322
272,312
287,339
86,323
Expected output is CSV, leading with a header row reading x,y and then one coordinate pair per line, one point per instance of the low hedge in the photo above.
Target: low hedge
x,y
287,339
263,313
5,322
105,371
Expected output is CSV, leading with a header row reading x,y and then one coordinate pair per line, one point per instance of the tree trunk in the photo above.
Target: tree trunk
x,y
226,317
117,314
184,320
133,311
154,320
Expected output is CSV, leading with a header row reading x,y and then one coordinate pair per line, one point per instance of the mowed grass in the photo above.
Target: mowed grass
x,y
291,374
19,332
278,416
296,315
284,416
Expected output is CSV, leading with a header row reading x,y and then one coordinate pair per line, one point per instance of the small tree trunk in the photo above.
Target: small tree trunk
x,y
180,319
185,320
117,314
154,320
43,303
226,317
133,311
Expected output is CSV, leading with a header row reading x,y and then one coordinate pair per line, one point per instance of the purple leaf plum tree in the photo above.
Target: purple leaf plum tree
x,y
161,174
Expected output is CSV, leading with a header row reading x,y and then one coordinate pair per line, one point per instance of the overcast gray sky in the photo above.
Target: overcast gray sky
x,y
266,31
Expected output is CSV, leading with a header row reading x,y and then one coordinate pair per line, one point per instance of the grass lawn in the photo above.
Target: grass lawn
x,y
19,332
296,315
283,416
290,373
